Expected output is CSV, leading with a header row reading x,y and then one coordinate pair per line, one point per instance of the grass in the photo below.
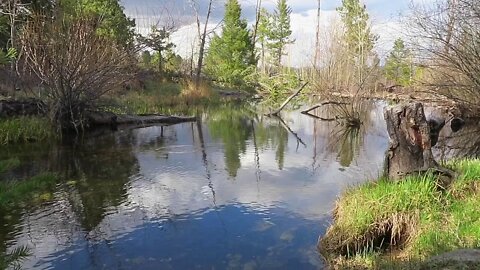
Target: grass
x,y
168,98
139,103
397,225
34,189
25,129
6,165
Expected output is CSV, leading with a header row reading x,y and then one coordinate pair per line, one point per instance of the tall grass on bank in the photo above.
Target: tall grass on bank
x,y
25,129
168,98
387,224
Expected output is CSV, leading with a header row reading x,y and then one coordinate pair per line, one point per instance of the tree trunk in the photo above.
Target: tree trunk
x,y
258,9
316,59
203,39
411,136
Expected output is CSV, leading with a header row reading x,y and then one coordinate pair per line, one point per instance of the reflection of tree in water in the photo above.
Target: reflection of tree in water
x,y
462,144
94,175
234,128
349,142
102,168
271,134
343,139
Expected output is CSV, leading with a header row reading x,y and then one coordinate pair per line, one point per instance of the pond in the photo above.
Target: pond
x,y
236,190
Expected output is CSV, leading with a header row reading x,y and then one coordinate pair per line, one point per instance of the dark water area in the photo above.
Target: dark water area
x,y
236,190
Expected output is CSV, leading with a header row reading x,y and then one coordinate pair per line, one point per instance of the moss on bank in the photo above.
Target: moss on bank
x,y
398,225
25,129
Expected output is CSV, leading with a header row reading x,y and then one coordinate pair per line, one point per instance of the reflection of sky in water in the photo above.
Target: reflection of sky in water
x,y
184,206
233,236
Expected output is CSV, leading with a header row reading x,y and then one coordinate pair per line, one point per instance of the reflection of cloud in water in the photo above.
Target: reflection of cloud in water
x,y
182,185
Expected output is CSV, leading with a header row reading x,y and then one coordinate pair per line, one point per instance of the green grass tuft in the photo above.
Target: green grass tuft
x,y
6,165
25,129
413,219
33,189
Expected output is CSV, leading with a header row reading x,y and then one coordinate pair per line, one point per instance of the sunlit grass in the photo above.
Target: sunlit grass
x,y
414,218
169,98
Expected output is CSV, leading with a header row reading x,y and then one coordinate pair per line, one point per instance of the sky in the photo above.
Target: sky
x,y
384,14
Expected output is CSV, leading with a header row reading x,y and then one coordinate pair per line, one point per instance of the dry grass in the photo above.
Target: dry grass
x,y
191,92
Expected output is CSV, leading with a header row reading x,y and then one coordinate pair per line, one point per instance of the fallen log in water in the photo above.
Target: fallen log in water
x,y
11,107
108,118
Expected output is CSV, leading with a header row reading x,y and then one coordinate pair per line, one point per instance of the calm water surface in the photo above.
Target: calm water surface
x,y
234,191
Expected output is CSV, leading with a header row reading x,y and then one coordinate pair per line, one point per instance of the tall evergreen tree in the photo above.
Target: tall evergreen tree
x,y
159,41
398,66
358,35
231,55
113,22
263,35
280,32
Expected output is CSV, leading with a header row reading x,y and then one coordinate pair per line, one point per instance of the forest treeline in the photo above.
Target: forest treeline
x,y
70,54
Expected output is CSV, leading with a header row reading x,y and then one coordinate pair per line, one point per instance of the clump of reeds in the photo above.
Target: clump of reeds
x,y
25,129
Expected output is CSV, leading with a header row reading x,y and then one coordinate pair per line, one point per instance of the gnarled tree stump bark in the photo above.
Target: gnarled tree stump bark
x,y
411,141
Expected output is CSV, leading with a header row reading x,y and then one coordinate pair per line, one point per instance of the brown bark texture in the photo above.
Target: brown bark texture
x,y
411,136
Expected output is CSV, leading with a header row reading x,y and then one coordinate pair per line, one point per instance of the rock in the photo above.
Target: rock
x,y
458,259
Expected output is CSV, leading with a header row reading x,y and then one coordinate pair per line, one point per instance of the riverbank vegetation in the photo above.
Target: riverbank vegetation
x,y
398,225
25,129
94,55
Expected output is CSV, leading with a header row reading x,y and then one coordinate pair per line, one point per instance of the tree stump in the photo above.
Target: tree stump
x,y
411,141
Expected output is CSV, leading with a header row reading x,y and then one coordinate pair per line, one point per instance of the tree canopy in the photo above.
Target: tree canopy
x,y
280,31
358,34
399,65
231,54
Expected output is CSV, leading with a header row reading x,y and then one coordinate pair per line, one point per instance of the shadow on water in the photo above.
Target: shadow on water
x,y
233,190
464,143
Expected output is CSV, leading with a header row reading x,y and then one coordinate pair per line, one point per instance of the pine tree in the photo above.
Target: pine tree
x,y
398,66
231,55
358,35
263,35
159,41
280,32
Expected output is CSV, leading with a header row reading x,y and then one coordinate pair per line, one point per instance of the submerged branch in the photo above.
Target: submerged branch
x,y
299,140
307,111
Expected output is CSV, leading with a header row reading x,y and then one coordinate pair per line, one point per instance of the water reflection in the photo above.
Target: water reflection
x,y
234,190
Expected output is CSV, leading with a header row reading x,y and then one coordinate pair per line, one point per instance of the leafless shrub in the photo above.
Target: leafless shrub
x,y
76,66
448,37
